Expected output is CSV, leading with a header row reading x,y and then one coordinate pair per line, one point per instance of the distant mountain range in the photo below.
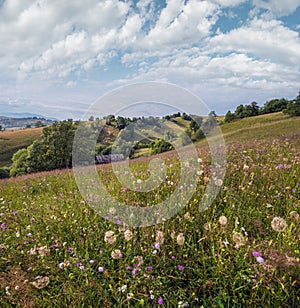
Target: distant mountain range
x,y
24,120
26,115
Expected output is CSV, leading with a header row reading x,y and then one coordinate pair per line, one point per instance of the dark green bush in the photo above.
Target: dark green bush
x,y
4,172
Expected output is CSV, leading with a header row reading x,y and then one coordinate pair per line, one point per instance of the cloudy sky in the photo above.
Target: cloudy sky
x,y
57,57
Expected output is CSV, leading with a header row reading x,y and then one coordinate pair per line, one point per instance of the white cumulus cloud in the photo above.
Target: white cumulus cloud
x,y
278,7
266,39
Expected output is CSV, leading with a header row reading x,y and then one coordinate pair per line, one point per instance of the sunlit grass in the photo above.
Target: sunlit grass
x,y
13,140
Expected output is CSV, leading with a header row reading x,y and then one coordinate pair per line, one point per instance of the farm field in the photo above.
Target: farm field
x,y
243,251
13,140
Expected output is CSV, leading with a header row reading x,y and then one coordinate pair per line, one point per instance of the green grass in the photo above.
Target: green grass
x,y
262,182
13,140
181,122
260,127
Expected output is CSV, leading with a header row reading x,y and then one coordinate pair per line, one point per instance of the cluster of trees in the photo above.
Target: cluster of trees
x,y
291,108
119,122
159,146
196,130
242,112
172,116
53,150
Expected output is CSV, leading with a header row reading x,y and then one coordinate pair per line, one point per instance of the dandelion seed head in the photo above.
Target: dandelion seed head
x,y
116,254
110,237
41,282
180,239
160,237
128,235
239,239
223,220
278,224
294,215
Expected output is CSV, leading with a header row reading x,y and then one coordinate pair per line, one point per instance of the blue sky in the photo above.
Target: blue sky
x,y
57,57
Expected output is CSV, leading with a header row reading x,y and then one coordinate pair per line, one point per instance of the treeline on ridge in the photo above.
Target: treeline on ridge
x,y
291,108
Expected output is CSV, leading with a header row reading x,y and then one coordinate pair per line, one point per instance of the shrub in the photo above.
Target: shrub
x,y
160,146
4,172
19,163
293,107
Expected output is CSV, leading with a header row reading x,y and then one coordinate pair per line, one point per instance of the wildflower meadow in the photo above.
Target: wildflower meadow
x,y
243,251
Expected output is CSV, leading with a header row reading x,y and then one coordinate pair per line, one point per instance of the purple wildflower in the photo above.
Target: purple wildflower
x,y
260,260
256,254
149,268
134,271
160,301
180,267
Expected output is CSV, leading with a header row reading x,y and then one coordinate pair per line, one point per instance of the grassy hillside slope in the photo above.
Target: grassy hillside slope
x,y
261,127
13,140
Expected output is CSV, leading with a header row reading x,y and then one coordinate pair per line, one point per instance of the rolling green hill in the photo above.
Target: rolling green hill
x,y
261,127
13,140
